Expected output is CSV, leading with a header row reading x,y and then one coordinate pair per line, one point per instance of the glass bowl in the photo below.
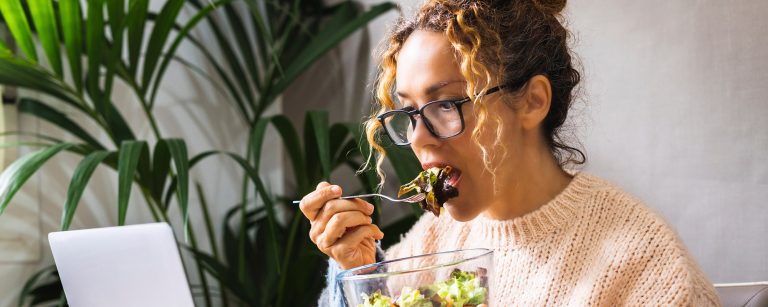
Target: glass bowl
x,y
454,278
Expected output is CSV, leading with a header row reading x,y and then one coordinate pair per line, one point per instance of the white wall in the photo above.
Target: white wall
x,y
672,110
676,114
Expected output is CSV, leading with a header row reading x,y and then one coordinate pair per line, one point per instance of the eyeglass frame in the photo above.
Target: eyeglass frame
x,y
412,114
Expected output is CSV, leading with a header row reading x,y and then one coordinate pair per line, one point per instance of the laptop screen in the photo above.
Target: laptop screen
x,y
137,265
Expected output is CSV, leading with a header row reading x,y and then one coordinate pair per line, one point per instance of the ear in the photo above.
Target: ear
x,y
536,101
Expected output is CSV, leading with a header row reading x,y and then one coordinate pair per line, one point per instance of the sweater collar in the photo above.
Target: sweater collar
x,y
557,214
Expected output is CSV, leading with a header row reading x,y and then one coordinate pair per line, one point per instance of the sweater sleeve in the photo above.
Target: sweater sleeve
x,y
669,275
641,260
410,244
680,283
332,296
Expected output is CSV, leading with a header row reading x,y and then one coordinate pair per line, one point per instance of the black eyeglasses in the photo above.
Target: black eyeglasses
x,y
442,118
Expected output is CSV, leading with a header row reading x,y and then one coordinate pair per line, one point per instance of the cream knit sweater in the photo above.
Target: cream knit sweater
x,y
593,244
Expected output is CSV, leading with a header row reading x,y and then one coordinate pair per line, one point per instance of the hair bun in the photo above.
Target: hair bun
x,y
552,7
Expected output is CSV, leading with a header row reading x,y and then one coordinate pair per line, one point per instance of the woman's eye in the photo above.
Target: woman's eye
x,y
446,106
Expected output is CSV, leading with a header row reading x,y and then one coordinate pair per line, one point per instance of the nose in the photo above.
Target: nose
x,y
421,137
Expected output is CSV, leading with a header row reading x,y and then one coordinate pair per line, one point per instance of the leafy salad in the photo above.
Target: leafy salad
x,y
462,289
434,183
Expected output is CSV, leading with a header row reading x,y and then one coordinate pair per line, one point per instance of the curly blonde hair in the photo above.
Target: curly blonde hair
x,y
507,41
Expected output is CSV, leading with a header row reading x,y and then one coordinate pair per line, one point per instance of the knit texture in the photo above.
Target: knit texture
x,y
332,295
593,244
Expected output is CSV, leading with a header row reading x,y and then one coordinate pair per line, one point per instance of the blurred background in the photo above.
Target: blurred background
x,y
671,109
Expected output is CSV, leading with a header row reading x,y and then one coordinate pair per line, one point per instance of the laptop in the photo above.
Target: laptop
x,y
126,266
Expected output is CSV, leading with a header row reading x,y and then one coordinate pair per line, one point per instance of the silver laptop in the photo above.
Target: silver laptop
x,y
127,266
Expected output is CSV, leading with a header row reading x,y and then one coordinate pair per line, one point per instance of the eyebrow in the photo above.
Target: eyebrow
x,y
433,88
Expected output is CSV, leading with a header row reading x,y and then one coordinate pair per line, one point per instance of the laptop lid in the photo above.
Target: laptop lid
x,y
136,265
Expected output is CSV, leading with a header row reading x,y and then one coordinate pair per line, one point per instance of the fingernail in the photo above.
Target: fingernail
x,y
336,189
370,207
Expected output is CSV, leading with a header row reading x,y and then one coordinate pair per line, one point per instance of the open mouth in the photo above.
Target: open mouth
x,y
438,182
454,178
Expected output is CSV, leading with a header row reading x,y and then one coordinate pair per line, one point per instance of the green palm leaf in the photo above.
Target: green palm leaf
x,y
177,41
264,32
369,175
253,174
292,144
116,13
225,276
20,170
339,144
130,154
243,43
118,127
71,19
157,40
266,198
95,46
257,140
43,111
47,31
404,161
22,73
161,165
234,65
318,135
324,41
33,280
77,185
230,85
178,150
4,48
137,17
16,19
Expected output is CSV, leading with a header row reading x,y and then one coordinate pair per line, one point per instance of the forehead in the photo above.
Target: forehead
x,y
426,58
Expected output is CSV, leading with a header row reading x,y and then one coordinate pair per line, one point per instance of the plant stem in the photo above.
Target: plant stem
x,y
201,272
211,238
287,260
150,117
151,203
242,233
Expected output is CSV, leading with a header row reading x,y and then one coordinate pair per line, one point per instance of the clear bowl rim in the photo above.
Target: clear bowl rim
x,y
340,277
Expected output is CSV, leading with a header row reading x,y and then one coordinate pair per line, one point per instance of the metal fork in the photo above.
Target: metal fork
x,y
411,199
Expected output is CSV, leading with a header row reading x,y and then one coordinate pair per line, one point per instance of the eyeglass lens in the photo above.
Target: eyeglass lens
x,y
444,120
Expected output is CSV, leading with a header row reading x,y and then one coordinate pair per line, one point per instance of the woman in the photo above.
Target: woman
x,y
487,86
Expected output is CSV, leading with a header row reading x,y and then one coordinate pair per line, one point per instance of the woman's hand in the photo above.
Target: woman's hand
x,y
341,229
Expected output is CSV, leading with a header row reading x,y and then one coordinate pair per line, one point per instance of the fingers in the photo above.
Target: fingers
x,y
356,240
341,229
338,225
358,235
312,203
333,209
336,206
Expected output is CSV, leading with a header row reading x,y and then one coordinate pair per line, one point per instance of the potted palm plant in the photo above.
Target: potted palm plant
x,y
87,47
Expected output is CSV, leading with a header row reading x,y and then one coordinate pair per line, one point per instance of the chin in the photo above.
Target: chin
x,y
459,212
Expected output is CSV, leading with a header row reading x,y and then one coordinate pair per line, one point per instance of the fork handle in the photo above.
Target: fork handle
x,y
359,196
350,197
